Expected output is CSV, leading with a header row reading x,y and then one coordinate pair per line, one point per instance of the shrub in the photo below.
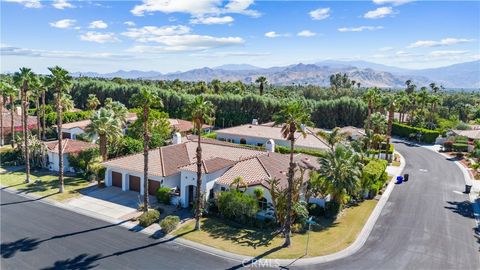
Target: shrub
x,y
332,208
148,218
237,205
298,228
374,176
460,147
286,150
163,195
301,212
211,135
169,223
422,134
316,210
11,156
462,126
68,117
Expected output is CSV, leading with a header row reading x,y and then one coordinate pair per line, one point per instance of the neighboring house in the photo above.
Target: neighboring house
x,y
185,127
69,147
471,134
17,121
174,166
258,135
353,133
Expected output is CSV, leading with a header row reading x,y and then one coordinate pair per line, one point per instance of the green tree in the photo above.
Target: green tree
x,y
202,112
11,93
216,84
45,84
61,82
92,102
106,126
239,182
333,137
24,79
146,99
262,81
371,97
293,117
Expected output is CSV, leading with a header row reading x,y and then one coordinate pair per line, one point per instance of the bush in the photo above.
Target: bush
x,y
332,208
286,150
460,147
374,176
169,223
315,210
211,135
148,218
163,195
68,117
11,156
421,134
237,205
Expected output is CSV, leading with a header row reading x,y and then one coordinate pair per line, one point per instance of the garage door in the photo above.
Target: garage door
x,y
116,179
153,186
134,183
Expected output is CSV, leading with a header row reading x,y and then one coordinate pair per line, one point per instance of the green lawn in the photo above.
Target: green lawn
x,y
48,186
327,238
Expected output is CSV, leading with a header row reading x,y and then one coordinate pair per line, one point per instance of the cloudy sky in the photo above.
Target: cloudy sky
x,y
177,35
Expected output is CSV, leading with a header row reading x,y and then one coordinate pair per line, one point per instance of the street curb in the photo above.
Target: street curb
x,y
350,250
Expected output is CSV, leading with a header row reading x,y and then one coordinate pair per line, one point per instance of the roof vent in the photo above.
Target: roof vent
x,y
270,146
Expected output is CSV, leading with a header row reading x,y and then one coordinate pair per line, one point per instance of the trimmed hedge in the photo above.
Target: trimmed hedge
x,y
374,176
286,150
163,195
460,147
422,134
148,218
68,117
169,223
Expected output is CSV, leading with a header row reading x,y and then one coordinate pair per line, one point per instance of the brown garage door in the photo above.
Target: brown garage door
x,y
66,135
116,179
153,186
134,183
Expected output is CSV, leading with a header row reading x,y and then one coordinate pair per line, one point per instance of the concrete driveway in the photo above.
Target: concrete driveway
x,y
110,202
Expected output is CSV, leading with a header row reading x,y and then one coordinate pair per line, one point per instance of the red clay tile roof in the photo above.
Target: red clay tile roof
x,y
69,146
17,121
183,125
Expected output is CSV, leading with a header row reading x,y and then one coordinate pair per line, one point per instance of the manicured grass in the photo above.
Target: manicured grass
x,y
328,237
5,148
48,187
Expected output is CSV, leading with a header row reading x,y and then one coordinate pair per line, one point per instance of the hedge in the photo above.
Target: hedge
x,y
68,117
460,147
286,150
373,175
424,135
148,218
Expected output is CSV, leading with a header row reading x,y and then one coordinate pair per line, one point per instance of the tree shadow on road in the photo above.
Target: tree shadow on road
x,y
80,262
462,208
8,250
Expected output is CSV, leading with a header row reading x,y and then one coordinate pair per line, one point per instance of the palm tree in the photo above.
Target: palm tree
x,y
119,110
3,94
67,102
262,82
216,85
378,123
239,182
11,93
45,84
146,99
293,116
61,82
92,102
342,168
106,126
371,97
36,94
24,78
202,112
333,137
391,103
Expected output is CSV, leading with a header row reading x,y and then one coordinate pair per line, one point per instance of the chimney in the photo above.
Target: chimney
x,y
177,138
19,110
270,146
255,122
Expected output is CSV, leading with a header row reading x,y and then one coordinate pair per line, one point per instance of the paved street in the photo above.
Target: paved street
x,y
426,224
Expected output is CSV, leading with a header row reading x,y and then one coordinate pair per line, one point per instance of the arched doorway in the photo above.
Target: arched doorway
x,y
243,141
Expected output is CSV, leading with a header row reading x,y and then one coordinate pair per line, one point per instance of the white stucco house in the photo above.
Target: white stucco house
x,y
174,166
258,135
69,147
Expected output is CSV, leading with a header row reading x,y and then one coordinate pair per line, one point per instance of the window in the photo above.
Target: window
x,y
262,203
211,194
223,189
243,141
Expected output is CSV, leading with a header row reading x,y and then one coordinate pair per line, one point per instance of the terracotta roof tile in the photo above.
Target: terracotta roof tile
x,y
69,146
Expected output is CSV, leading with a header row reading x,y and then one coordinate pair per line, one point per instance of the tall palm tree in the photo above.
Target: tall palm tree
x,y
216,85
146,99
371,97
202,112
61,82
3,94
106,126
45,84
24,78
292,117
342,168
333,137
11,93
391,102
92,102
36,95
262,82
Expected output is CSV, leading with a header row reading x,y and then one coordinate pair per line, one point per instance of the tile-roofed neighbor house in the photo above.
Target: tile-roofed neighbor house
x,y
184,126
353,132
174,166
17,122
69,147
257,135
472,134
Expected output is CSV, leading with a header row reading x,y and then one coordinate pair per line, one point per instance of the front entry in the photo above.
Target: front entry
x,y
191,195
134,183
153,186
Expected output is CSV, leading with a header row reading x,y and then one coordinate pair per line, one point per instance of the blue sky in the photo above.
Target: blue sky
x,y
173,35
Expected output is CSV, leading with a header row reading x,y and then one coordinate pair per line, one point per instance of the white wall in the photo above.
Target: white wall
x,y
53,162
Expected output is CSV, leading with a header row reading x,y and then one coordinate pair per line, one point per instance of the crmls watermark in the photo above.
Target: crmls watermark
x,y
254,263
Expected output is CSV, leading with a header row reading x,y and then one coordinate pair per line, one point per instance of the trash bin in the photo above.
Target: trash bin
x,y
405,177
399,179
468,188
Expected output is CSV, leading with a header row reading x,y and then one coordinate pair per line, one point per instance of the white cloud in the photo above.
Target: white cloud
x,y
446,53
393,2
306,33
443,42
273,34
380,12
182,43
98,25
320,14
27,3
359,29
63,24
195,7
145,33
212,20
385,49
62,4
99,37
129,23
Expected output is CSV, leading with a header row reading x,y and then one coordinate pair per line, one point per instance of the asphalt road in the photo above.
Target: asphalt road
x,y
426,224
